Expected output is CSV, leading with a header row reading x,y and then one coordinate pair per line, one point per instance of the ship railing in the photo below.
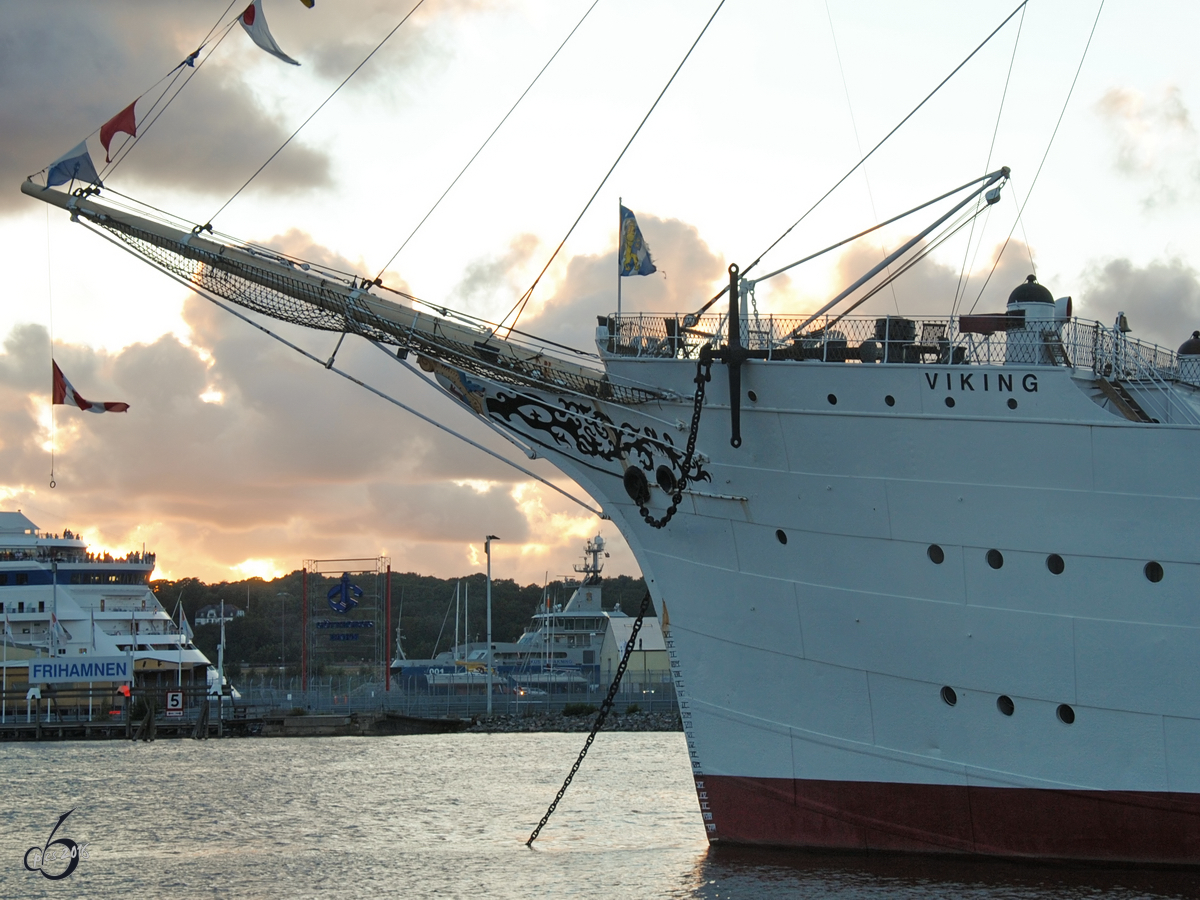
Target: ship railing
x,y
1077,343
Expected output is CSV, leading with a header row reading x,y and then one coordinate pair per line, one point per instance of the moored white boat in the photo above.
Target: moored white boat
x,y
103,607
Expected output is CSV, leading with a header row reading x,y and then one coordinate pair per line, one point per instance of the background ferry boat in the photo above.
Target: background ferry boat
x,y
566,648
60,601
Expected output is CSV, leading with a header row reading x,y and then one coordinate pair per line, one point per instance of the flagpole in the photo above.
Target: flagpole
x,y
620,202
54,610
91,686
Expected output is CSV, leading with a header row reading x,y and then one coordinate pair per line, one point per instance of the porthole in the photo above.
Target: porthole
x,y
1005,705
889,400
936,555
666,479
1055,564
1066,715
753,397
832,398
781,536
949,696
1154,572
950,402
1012,402
636,485
995,559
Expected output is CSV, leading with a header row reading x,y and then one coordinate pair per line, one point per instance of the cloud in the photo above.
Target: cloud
x,y
1161,299
290,463
485,277
66,71
63,75
1156,143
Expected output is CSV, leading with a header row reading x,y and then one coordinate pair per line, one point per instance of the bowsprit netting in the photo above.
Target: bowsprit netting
x,y
308,295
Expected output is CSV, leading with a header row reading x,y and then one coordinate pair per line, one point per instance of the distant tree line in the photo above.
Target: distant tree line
x,y
422,607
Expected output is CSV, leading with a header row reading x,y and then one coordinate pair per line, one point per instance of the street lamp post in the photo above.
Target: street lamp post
x,y
487,549
282,595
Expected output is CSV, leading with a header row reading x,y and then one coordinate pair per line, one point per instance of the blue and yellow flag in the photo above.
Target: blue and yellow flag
x,y
633,256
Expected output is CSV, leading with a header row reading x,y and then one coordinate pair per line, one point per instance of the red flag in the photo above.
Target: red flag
x,y
65,395
121,122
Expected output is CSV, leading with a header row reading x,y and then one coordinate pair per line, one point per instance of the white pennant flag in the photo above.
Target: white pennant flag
x,y
255,24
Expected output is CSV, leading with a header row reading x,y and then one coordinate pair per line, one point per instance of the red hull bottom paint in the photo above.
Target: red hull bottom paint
x,y
1132,826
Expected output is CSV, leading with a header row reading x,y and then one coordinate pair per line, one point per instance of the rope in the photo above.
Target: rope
x,y
854,125
128,145
600,717
1045,155
964,276
886,137
50,304
489,137
519,307
317,110
359,382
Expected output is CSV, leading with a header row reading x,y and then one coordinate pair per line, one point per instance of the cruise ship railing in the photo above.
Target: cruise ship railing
x,y
1077,343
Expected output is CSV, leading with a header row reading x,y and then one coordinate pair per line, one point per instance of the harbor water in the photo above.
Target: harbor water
x,y
441,816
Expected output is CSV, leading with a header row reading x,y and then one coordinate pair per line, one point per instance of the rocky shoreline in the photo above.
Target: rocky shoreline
x,y
640,721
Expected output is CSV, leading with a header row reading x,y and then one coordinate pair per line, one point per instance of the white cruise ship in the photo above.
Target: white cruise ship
x,y
103,607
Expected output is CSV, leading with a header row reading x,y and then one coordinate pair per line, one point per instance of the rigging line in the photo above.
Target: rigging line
x,y
129,143
217,24
489,137
1045,155
192,287
178,69
126,147
528,451
50,304
963,276
886,137
519,307
864,232
949,232
854,125
313,114
975,255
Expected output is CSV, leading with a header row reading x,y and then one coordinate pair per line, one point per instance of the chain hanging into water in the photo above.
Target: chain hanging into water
x,y
703,377
600,717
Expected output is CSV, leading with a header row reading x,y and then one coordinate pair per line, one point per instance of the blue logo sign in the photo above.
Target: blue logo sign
x,y
56,859
343,596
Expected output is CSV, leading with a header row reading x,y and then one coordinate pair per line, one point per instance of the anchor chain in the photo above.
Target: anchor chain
x,y
600,717
703,377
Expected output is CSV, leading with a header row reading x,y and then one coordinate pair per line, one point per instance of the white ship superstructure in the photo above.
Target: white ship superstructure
x,y
103,607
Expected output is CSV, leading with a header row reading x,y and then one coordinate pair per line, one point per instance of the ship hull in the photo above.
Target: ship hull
x,y
1128,826
873,641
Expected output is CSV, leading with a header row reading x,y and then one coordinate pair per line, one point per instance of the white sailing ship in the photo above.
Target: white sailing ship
x,y
959,553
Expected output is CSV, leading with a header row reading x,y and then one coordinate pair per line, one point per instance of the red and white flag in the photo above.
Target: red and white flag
x,y
66,395
255,24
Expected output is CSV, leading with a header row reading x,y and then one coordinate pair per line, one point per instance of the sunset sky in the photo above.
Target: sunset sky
x,y
239,458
